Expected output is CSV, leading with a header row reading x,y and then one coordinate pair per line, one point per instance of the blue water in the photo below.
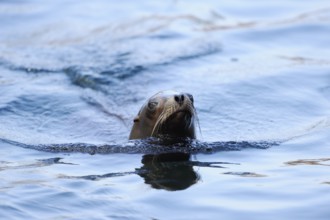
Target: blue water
x,y
74,74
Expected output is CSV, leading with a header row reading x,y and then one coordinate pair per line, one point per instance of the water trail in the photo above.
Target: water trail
x,y
148,146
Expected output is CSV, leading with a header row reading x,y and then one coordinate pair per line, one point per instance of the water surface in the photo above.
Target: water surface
x,y
74,74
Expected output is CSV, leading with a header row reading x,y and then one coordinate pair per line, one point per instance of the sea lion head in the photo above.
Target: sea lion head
x,y
166,113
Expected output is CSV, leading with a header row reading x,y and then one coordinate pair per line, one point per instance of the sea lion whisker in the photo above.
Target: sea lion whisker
x,y
197,121
158,123
167,112
156,127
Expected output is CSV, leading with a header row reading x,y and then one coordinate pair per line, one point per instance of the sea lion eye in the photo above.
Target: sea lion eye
x,y
152,105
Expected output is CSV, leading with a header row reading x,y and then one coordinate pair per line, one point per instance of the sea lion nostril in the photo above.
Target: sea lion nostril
x,y
179,98
176,98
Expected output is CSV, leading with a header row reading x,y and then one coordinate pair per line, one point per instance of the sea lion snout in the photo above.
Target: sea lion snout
x,y
180,98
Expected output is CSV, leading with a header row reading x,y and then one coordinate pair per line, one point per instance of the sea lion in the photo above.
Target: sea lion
x,y
167,113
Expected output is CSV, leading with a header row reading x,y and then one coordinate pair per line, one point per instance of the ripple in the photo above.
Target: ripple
x,y
245,174
38,163
151,145
73,74
313,162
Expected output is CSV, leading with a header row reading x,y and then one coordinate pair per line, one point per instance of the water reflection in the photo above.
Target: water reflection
x,y
169,171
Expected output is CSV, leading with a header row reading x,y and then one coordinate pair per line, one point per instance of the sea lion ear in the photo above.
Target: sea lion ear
x,y
136,119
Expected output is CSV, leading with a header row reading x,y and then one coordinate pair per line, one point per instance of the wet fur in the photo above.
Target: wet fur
x,y
146,126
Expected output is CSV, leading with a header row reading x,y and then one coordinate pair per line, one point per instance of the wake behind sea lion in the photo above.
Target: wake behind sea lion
x,y
166,113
